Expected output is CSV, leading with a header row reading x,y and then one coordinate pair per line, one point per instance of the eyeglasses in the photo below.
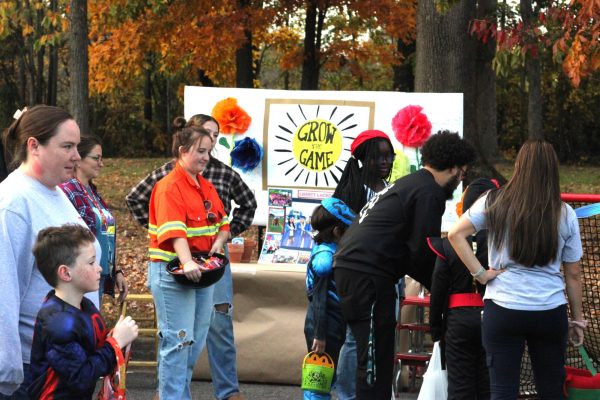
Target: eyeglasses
x,y
210,216
388,158
97,158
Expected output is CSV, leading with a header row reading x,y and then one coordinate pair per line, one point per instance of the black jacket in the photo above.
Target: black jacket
x,y
388,238
451,276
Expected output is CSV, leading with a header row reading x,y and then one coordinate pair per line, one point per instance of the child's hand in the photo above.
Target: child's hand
x,y
125,331
318,346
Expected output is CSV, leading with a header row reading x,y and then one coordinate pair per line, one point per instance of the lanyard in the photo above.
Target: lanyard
x,y
96,204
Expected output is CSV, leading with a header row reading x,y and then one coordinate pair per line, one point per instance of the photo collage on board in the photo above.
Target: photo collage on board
x,y
288,239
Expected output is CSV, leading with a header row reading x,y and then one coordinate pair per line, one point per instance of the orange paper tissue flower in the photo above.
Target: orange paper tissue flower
x,y
232,118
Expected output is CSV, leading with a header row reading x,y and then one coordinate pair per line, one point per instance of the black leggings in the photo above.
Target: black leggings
x,y
505,333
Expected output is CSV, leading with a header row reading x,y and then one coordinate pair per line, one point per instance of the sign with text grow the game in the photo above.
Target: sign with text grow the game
x,y
310,142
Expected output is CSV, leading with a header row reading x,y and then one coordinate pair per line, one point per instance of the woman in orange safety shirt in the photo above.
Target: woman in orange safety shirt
x,y
186,216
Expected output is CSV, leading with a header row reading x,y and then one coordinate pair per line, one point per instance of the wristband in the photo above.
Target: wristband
x,y
119,271
580,324
480,272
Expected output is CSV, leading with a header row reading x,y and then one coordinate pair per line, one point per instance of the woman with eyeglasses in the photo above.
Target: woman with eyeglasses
x,y
366,173
186,217
84,195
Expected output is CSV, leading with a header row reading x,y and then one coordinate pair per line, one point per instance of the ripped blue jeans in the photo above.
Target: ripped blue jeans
x,y
220,342
183,321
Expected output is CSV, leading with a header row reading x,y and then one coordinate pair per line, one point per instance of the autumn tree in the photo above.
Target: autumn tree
x,y
27,30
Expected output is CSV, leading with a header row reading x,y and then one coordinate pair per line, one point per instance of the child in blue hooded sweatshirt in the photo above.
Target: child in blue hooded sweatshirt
x,y
324,327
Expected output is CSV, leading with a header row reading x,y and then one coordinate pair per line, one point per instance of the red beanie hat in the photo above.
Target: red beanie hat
x,y
367,135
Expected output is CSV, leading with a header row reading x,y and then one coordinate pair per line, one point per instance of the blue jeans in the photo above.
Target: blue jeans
x,y
184,316
345,386
21,393
220,341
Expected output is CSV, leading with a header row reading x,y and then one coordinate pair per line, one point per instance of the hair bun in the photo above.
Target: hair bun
x,y
179,123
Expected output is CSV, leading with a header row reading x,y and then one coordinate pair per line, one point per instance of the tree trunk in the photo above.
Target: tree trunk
x,y
39,69
148,90
532,68
244,73
29,59
78,65
485,93
205,79
22,79
39,77
404,78
52,65
448,61
244,66
310,63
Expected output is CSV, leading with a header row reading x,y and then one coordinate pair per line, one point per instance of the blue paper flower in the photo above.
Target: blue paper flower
x,y
246,154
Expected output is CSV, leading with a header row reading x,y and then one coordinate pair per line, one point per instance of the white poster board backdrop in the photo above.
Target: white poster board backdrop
x,y
306,135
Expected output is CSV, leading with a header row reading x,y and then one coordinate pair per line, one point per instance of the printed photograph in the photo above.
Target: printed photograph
x,y
280,197
276,219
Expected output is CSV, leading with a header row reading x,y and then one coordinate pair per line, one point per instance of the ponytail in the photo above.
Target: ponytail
x,y
11,149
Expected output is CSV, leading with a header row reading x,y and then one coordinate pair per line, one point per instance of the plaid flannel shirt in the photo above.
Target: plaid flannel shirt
x,y
76,193
229,185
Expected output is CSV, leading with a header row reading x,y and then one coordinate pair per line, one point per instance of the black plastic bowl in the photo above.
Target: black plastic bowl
x,y
208,277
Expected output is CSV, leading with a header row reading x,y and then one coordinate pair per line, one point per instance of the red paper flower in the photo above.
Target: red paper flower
x,y
232,118
411,127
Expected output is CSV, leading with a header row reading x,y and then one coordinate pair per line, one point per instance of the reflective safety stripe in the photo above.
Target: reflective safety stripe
x,y
170,226
158,254
209,230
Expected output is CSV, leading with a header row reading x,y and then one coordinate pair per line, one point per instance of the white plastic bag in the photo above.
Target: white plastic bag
x,y
435,380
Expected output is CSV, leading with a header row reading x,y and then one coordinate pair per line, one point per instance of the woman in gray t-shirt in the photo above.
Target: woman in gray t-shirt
x,y
531,233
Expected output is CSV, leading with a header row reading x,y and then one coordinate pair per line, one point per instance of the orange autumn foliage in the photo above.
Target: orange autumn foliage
x,y
128,37
232,118
583,56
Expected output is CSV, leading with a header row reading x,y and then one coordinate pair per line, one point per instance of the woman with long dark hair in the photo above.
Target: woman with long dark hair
x,y
531,232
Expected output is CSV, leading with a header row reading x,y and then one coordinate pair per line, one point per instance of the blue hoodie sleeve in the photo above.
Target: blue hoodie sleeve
x,y
72,363
322,265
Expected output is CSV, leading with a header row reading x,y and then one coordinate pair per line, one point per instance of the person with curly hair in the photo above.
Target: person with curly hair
x,y
387,241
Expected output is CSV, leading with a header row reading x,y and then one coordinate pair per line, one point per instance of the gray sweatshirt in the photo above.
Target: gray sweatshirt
x,y
26,207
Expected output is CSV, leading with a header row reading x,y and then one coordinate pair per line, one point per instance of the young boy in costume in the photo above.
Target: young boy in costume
x,y
324,327
71,348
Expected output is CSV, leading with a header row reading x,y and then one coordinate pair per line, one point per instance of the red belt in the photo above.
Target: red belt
x,y
465,300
